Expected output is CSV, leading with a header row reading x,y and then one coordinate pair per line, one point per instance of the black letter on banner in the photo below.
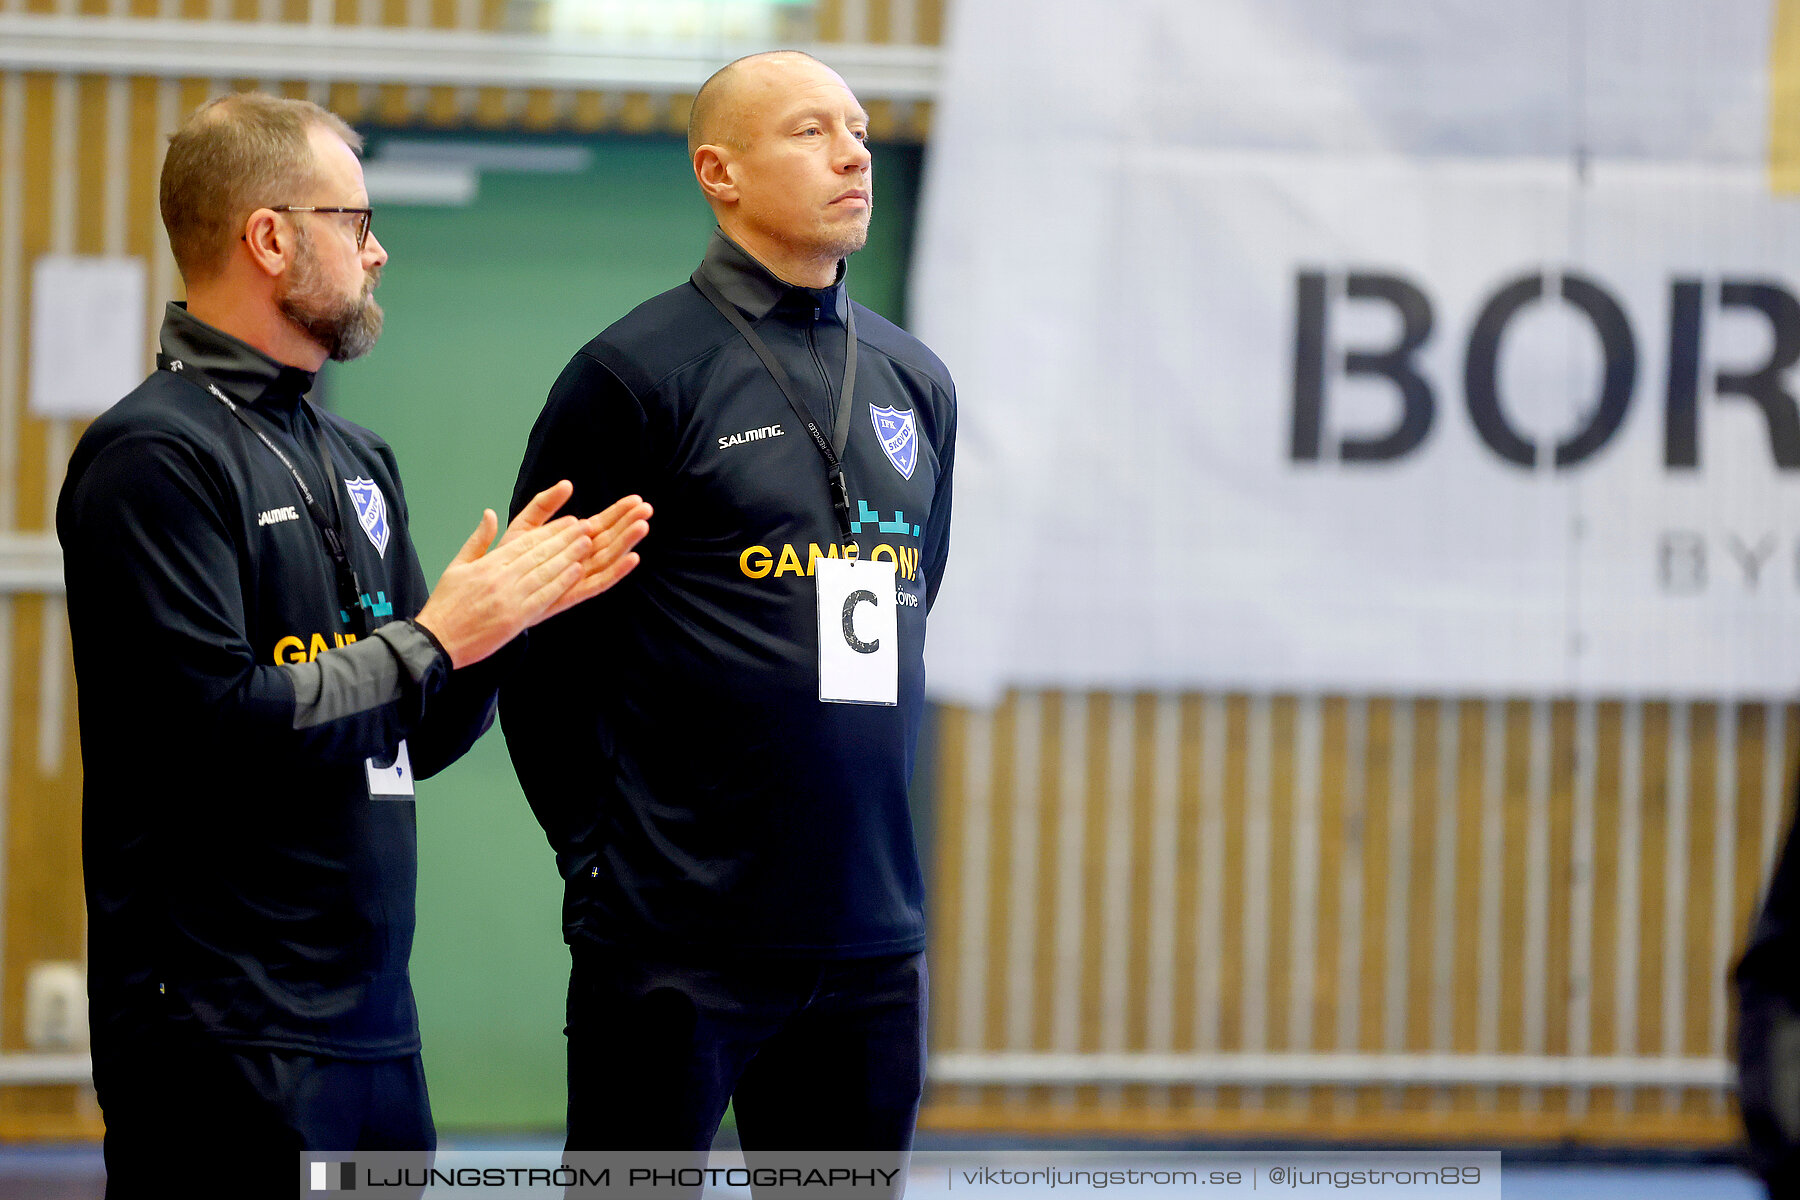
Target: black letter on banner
x,y
1681,412
1481,370
1309,365
859,596
1620,350
1395,365
1751,558
1764,386
1681,562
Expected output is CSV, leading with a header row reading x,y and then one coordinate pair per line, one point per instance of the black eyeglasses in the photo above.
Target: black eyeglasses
x,y
363,217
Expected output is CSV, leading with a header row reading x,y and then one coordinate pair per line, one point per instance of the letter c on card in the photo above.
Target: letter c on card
x,y
859,596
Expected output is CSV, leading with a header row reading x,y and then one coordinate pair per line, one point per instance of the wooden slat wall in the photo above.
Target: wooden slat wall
x,y
1241,873
79,157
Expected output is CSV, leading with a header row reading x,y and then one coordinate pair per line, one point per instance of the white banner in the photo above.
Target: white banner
x,y
1315,345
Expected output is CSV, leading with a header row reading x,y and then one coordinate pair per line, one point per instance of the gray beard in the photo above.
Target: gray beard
x,y
346,328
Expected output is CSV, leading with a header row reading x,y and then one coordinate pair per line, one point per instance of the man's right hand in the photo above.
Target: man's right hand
x,y
486,598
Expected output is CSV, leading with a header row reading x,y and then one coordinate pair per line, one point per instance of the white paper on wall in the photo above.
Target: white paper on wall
x,y
87,333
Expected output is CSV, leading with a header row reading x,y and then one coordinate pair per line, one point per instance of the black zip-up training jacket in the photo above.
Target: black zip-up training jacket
x,y
669,735
239,876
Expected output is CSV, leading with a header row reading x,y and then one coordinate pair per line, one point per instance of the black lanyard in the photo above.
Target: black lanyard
x,y
832,454
350,589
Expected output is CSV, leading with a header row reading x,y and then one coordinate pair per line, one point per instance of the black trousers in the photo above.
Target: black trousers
x,y
815,1054
189,1116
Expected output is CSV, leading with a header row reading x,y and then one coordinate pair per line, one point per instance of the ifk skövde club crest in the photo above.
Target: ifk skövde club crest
x,y
371,511
899,434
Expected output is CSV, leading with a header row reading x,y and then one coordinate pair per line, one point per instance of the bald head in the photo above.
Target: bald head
x,y
726,102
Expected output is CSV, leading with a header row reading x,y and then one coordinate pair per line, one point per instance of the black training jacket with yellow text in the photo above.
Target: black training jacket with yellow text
x,y
669,735
240,877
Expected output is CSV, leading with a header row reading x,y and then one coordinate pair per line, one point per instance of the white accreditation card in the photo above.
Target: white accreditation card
x,y
859,642
391,780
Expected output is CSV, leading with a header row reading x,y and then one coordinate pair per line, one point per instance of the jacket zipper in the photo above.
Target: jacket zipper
x,y
812,344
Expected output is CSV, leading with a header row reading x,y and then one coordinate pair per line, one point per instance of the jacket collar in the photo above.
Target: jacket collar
x,y
756,291
237,366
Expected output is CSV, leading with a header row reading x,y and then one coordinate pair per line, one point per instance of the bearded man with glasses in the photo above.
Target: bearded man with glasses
x,y
263,672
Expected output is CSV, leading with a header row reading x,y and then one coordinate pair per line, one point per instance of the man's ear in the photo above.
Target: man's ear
x,y
712,167
270,242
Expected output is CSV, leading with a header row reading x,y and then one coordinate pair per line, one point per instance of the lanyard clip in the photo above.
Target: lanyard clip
x,y
840,501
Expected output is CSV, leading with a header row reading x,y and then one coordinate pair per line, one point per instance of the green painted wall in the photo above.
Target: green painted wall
x,y
484,306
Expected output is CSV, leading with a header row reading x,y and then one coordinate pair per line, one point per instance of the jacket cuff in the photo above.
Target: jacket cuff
x,y
421,655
